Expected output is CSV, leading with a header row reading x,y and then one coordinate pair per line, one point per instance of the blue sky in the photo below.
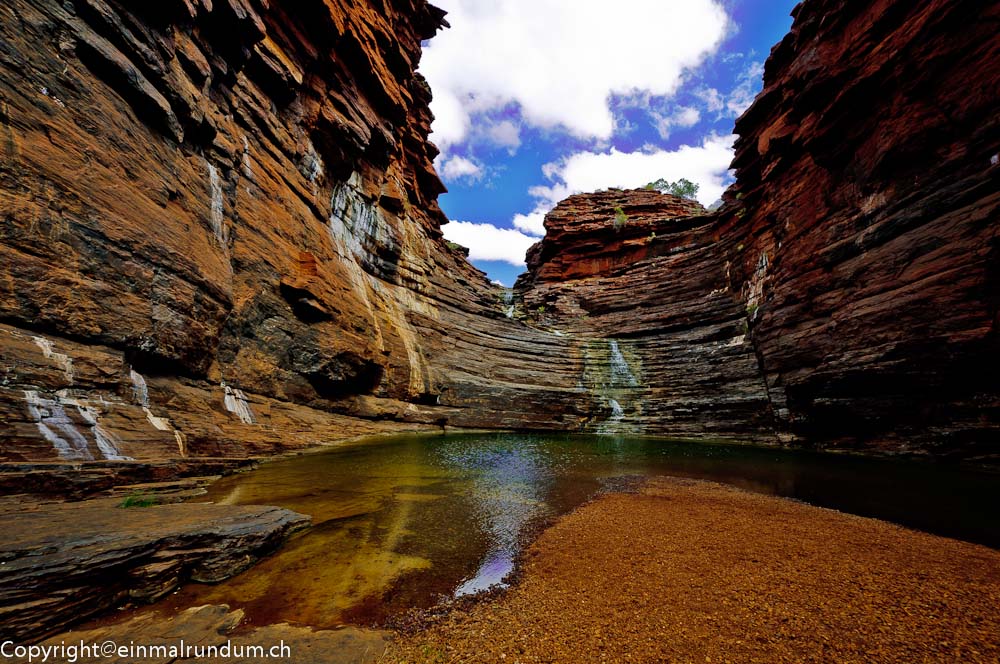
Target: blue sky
x,y
538,99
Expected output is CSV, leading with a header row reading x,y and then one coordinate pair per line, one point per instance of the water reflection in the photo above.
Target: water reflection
x,y
401,522
509,483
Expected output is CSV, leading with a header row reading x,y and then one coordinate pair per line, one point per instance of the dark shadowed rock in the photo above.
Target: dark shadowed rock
x,y
65,562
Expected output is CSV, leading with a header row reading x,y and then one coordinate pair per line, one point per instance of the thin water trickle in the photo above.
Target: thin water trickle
x,y
217,207
621,373
237,404
140,392
400,522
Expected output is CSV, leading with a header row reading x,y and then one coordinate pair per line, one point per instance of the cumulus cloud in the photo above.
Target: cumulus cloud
x,y
486,242
683,117
455,168
531,223
706,165
499,53
505,134
743,94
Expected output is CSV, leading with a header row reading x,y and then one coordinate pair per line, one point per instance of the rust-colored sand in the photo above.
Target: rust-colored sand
x,y
695,572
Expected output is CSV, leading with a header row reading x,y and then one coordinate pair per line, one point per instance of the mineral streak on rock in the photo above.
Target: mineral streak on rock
x,y
243,192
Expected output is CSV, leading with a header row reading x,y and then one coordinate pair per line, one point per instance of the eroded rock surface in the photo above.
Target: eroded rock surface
x,y
65,562
221,239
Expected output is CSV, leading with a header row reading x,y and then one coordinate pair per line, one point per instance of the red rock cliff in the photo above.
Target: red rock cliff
x,y
868,218
220,231
221,238
856,259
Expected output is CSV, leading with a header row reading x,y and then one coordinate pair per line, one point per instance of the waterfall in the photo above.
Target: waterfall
x,y
621,373
508,300
106,441
614,384
217,204
61,432
617,414
141,395
139,390
57,428
64,361
237,404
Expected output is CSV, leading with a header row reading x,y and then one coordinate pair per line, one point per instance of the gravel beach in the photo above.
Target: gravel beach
x,y
686,571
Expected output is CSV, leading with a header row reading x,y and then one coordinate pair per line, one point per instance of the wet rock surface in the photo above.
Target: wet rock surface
x,y
65,562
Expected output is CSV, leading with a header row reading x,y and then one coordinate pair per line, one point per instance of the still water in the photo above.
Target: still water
x,y
401,522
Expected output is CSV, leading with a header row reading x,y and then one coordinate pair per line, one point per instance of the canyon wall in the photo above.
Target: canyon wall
x,y
221,239
852,273
868,213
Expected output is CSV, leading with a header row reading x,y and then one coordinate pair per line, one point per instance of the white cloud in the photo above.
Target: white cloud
x,y
455,168
707,165
711,97
683,117
687,116
531,223
744,93
560,61
505,134
486,242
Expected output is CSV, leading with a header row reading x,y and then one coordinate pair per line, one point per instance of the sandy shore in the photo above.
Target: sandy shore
x,y
694,572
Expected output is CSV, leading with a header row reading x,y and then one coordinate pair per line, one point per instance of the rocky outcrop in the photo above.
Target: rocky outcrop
x,y
867,186
638,278
66,562
221,239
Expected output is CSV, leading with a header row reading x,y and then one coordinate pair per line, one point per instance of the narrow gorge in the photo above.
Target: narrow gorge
x,y
221,241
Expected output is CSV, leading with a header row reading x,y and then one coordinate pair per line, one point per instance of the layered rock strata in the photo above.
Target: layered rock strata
x,y
637,278
221,239
868,187
66,562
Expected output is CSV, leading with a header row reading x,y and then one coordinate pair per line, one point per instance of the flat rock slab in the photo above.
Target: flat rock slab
x,y
64,562
192,634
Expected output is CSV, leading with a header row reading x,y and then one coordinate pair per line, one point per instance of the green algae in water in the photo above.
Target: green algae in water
x,y
402,522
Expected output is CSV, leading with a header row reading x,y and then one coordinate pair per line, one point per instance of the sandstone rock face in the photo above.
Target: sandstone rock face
x,y
221,239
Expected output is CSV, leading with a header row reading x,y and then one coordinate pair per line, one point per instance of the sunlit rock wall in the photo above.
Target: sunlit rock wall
x,y
219,228
220,238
